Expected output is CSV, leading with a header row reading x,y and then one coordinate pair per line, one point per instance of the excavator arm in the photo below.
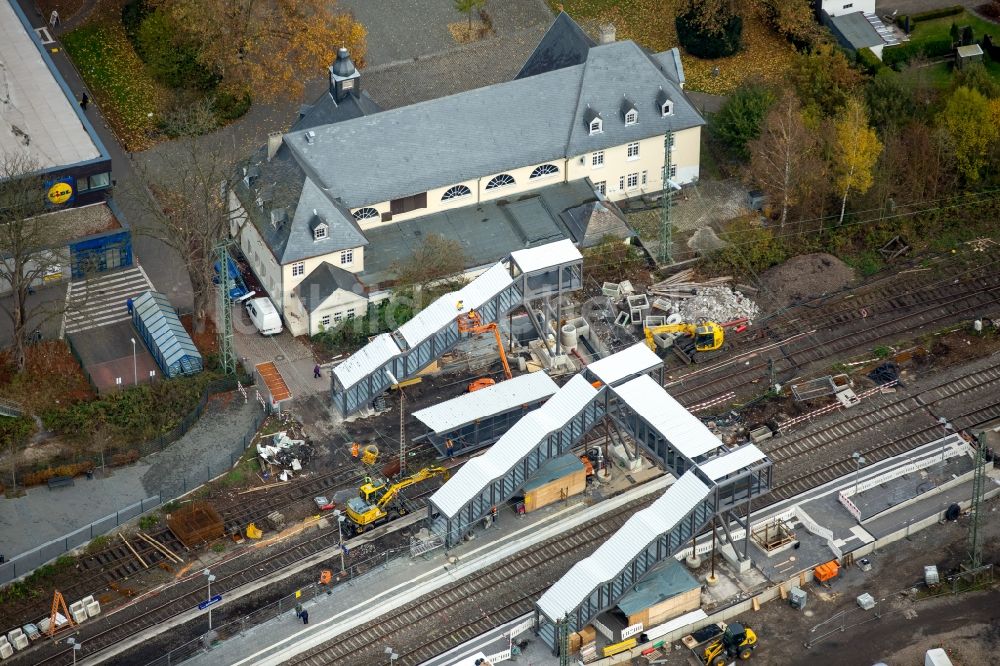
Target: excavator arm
x,y
423,474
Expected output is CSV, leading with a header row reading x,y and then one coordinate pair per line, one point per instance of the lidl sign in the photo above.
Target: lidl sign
x,y
60,191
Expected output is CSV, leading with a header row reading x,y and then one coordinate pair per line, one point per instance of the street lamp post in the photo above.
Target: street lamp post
x,y
859,461
135,367
76,647
340,536
389,652
210,576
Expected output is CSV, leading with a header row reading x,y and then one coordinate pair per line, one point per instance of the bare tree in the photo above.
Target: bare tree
x,y
778,156
29,249
183,198
435,258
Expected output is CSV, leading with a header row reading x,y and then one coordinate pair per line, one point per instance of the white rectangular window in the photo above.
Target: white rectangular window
x,y
621,183
673,170
601,186
100,180
346,257
298,268
633,181
338,317
597,159
324,320
643,177
350,313
633,150
319,232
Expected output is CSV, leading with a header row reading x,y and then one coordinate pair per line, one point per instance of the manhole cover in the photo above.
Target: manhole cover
x,y
279,357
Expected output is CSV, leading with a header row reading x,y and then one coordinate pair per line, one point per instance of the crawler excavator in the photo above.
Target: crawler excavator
x,y
378,503
472,324
700,342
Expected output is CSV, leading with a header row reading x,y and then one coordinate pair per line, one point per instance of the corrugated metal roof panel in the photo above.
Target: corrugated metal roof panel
x,y
496,399
629,362
731,462
443,311
369,358
636,534
681,428
516,443
545,256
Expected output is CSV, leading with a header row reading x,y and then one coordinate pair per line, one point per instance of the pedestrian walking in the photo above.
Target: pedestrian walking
x,y
54,19
305,617
298,610
130,305
317,372
84,101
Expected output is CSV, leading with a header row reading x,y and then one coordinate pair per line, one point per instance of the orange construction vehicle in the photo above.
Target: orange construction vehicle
x,y
472,324
826,571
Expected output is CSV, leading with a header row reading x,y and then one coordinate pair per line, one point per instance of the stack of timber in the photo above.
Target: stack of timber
x,y
682,285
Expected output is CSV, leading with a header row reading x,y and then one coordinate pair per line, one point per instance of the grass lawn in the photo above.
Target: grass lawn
x,y
937,75
935,29
125,91
650,23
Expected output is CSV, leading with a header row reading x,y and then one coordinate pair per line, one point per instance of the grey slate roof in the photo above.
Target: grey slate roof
x,y
322,282
565,44
481,63
855,30
409,150
284,187
490,231
325,110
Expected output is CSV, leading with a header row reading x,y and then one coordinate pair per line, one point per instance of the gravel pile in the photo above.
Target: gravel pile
x,y
718,304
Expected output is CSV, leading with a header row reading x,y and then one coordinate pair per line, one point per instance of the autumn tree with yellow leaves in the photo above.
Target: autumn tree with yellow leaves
x,y
854,152
269,47
779,157
968,124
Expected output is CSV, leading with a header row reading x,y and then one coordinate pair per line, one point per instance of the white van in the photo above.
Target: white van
x,y
264,316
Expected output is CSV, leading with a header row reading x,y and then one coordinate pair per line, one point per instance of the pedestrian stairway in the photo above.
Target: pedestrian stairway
x,y
102,301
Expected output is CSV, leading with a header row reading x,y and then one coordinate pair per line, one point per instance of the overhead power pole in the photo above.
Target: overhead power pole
x,y
666,226
978,485
227,352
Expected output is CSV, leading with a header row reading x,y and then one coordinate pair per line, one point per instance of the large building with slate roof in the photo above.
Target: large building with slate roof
x,y
323,210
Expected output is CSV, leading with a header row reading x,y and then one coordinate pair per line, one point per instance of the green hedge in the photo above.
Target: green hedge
x,y
869,62
936,13
898,55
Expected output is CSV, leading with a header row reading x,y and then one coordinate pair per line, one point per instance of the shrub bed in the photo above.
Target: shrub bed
x,y
42,476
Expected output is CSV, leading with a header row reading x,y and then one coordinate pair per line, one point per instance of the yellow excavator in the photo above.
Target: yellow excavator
x,y
377,503
700,342
737,640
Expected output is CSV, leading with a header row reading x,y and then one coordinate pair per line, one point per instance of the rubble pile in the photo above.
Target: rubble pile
x,y
719,304
284,452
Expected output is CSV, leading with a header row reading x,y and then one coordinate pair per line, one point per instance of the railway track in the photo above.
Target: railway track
x,y
906,422
182,598
749,368
484,600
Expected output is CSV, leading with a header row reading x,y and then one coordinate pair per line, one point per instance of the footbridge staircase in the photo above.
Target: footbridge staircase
x,y
542,272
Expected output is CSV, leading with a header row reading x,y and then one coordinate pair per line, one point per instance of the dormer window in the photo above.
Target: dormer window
x,y
664,104
593,120
667,108
629,113
319,233
632,117
318,226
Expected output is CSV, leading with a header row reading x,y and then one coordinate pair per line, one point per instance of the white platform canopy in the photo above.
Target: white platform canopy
x,y
516,443
497,399
629,362
546,256
679,426
618,550
718,468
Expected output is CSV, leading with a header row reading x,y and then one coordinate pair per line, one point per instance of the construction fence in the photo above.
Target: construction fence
x,y
25,563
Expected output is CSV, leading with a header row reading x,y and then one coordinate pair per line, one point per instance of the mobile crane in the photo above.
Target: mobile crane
x,y
376,504
700,342
471,323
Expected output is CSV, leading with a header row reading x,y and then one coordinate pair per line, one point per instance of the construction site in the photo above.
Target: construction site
x,y
543,468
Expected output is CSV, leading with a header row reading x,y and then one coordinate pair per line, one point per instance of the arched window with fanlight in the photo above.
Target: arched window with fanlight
x,y
543,171
503,180
456,192
366,214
